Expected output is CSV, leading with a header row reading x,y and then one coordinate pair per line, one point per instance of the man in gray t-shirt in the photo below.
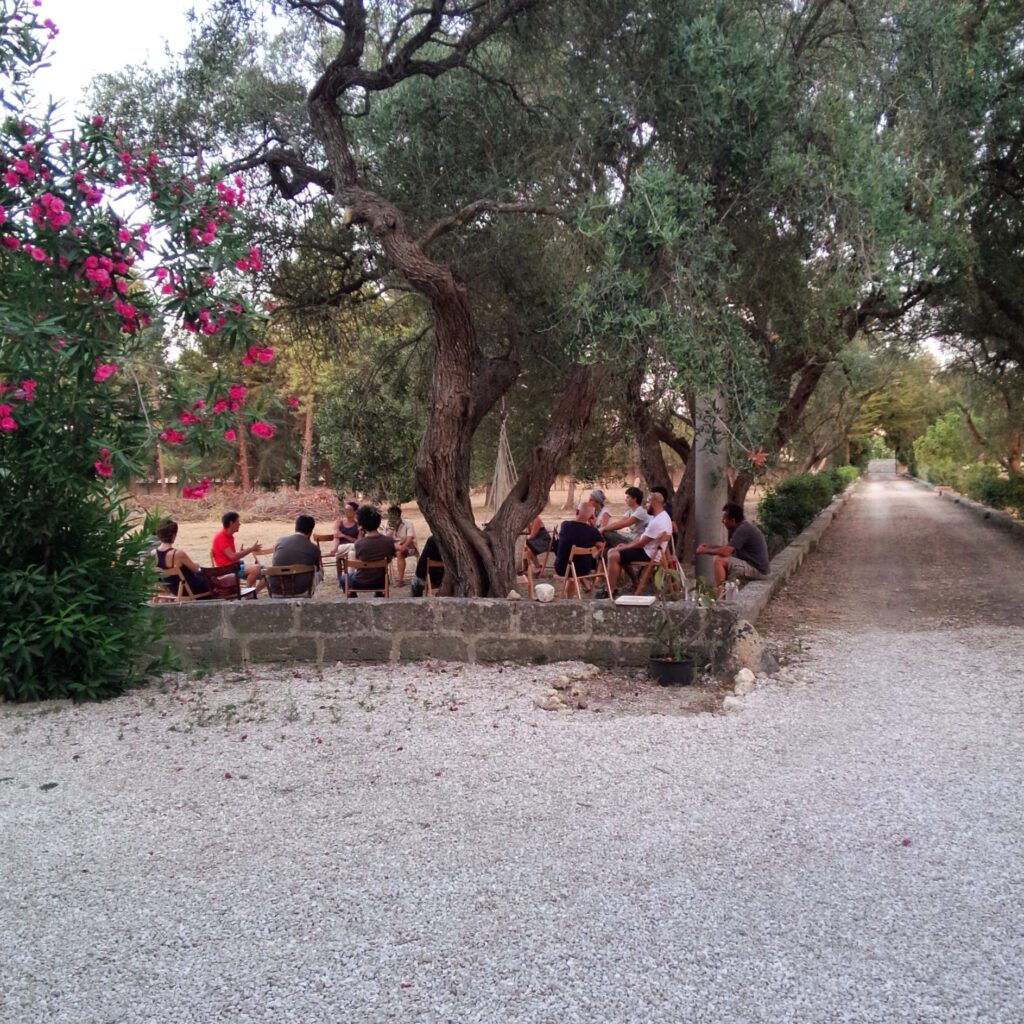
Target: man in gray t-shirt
x,y
632,524
296,549
746,553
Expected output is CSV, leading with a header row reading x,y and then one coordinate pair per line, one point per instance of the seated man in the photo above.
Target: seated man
x,y
297,549
656,535
632,523
746,553
223,551
431,553
404,534
371,547
578,533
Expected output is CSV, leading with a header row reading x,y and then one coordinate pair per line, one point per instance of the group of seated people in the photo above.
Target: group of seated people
x,y
357,535
639,535
634,538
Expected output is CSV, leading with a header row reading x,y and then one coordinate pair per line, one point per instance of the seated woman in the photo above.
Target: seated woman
x,y
538,541
346,532
170,557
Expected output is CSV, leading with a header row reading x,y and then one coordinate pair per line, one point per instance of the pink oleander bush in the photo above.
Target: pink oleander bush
x,y
99,242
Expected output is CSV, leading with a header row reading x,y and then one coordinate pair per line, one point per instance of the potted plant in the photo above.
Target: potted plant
x,y
669,663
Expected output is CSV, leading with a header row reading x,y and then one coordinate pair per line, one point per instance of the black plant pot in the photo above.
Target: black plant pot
x,y
671,673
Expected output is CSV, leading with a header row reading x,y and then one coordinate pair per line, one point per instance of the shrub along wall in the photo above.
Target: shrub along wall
x,y
789,507
218,634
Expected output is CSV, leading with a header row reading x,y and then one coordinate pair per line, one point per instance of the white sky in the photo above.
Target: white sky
x,y
105,35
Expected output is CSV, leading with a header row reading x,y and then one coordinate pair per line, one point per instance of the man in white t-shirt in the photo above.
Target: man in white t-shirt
x,y
632,524
647,546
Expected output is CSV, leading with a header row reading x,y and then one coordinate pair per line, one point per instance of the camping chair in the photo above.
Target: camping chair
x,y
350,564
431,590
329,561
184,591
225,584
288,580
574,581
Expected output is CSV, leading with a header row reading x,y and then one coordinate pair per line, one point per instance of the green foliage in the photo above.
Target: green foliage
x,y
987,484
944,448
80,628
790,506
73,312
369,429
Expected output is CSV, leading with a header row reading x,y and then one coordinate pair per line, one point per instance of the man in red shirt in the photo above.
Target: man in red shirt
x,y
223,552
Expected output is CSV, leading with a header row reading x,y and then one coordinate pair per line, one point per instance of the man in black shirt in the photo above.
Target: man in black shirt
x,y
580,533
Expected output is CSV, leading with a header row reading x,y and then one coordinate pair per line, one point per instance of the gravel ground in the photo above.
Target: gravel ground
x,y
422,843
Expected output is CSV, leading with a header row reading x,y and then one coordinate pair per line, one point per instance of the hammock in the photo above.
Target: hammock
x,y
504,470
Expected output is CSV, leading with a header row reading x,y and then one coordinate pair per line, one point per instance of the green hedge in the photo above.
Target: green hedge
x,y
790,506
985,483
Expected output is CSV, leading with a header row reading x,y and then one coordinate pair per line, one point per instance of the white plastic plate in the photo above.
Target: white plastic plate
x,y
639,599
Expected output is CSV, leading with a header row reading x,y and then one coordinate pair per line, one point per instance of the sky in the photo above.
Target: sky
x,y
104,35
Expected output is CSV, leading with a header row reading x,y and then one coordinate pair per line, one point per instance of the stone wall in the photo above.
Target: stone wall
x,y
221,633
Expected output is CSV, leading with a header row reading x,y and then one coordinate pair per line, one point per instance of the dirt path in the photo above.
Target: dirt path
x,y
899,558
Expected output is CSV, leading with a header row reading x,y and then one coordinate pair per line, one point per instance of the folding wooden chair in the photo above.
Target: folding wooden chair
x,y
574,580
225,584
329,561
184,590
349,565
290,580
431,590
666,558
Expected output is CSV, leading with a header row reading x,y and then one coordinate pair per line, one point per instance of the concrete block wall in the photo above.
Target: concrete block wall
x,y
216,634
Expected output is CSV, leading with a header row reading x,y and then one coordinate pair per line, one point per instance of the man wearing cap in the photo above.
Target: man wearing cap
x,y
601,513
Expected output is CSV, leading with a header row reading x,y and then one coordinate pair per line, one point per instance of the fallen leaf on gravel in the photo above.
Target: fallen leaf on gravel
x,y
49,785
228,775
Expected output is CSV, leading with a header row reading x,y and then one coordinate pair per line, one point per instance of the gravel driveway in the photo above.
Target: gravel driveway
x,y
422,843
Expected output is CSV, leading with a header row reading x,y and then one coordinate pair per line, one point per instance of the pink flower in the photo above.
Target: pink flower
x,y
10,241
265,355
247,359
260,428
198,491
293,401
172,436
198,404
3,215
103,371
8,423
220,405
103,468
236,392
97,120
29,389
230,435
187,417
5,410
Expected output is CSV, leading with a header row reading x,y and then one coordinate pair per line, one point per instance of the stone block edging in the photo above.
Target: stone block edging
x,y
998,518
